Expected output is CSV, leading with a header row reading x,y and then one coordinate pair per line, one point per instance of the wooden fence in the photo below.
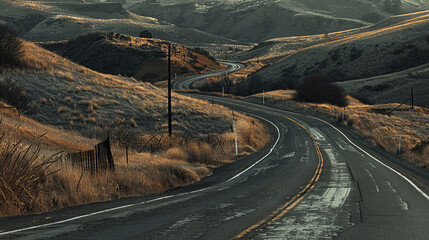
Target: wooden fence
x,y
99,159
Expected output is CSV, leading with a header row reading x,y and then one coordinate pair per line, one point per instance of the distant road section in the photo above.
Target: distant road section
x,y
187,82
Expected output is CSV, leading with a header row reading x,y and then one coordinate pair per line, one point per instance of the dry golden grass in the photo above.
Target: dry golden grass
x,y
370,121
71,97
143,173
251,67
174,162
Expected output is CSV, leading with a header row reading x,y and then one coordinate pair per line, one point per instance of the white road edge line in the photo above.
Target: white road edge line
x,y
393,170
152,200
271,150
375,159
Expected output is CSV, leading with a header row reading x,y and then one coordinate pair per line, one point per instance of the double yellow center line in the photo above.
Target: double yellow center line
x,y
280,212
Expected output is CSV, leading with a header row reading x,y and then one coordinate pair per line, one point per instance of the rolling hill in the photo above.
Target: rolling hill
x,y
144,59
259,20
395,44
39,21
66,95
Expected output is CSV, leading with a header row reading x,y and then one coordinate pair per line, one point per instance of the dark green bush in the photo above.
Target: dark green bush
x,y
10,47
318,88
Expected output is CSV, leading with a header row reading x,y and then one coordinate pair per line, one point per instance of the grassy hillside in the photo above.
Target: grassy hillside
x,y
259,20
145,59
63,20
73,108
392,45
246,21
68,95
394,87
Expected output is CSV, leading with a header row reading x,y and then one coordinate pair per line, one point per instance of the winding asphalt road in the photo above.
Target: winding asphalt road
x,y
187,82
313,180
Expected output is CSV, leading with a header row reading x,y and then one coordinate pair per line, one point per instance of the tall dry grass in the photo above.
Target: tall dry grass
x,y
391,131
145,174
170,163
22,170
371,121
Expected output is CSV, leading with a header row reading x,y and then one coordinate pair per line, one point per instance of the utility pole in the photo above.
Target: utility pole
x,y
169,90
235,133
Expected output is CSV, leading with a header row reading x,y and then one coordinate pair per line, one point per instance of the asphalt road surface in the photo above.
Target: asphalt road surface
x,y
314,180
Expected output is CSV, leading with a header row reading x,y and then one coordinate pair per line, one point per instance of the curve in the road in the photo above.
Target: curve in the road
x,y
187,82
280,212
214,204
362,150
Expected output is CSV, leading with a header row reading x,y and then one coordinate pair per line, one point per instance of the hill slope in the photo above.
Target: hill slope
x,y
145,59
259,20
395,44
69,96
63,20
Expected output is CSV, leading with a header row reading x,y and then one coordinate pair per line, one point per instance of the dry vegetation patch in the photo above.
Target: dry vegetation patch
x,y
70,96
410,126
50,183
68,101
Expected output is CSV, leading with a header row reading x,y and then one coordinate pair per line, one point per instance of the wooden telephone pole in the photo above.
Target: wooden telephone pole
x,y
169,90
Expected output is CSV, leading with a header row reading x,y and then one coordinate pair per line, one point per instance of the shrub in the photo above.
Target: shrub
x,y
200,153
12,94
319,89
176,153
10,47
193,152
250,85
145,34
216,85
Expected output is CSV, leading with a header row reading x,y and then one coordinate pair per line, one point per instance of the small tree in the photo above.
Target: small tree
x,y
145,34
319,89
10,46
